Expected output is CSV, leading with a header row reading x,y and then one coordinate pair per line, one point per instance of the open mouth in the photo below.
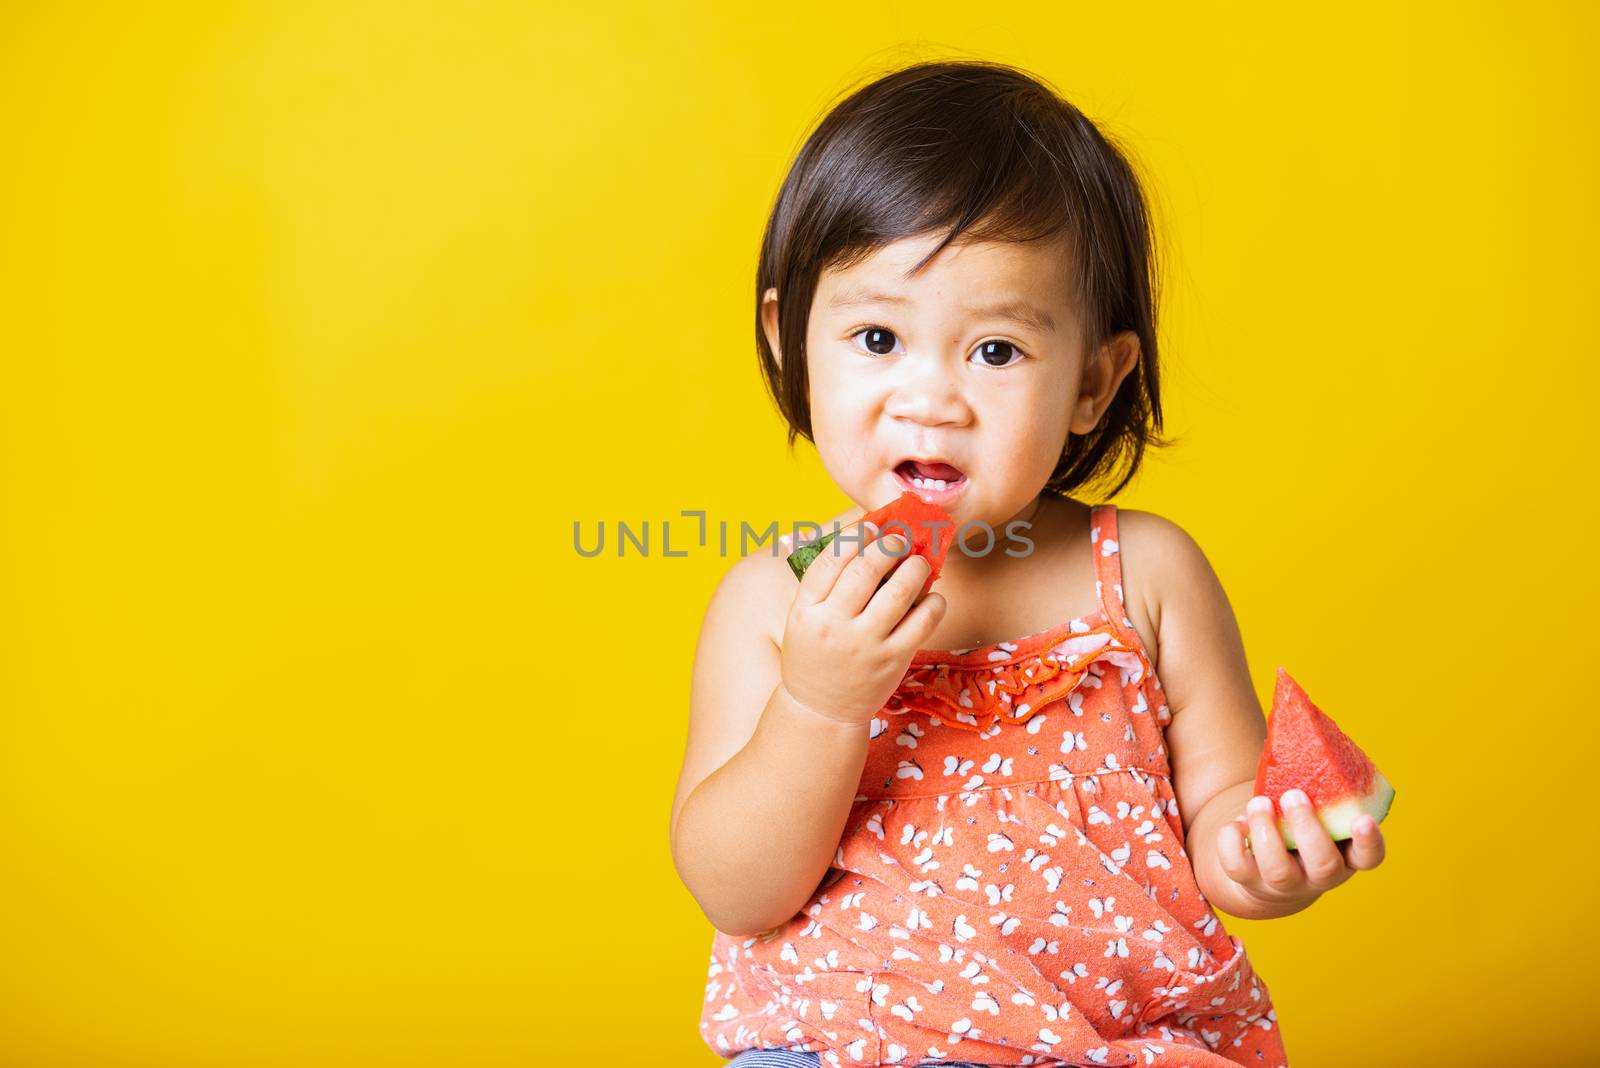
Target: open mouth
x,y
932,480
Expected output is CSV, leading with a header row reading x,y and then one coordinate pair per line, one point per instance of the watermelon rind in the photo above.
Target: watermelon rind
x,y
1339,817
802,557
1305,749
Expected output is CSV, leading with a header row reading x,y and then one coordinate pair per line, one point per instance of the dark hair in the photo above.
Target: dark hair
x,y
984,149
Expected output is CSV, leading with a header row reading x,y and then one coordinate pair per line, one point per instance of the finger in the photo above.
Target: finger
x,y
889,604
1365,849
1324,865
917,627
1278,868
862,575
832,560
1236,863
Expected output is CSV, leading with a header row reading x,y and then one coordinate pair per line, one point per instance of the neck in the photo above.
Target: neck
x,y
1042,521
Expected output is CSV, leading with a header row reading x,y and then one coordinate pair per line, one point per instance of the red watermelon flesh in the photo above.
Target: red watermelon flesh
x,y
1305,748
928,527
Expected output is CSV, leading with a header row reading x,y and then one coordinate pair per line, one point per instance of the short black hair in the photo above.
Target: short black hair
x,y
988,150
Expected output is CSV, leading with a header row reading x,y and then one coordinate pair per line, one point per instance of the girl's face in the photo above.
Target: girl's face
x,y
960,383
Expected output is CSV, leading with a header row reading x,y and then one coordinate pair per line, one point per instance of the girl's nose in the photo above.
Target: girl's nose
x,y
929,393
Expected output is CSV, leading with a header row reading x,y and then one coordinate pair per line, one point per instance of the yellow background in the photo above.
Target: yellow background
x,y
323,323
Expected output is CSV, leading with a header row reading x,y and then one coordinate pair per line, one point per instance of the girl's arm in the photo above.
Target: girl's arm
x,y
1216,735
755,838
771,768
1217,728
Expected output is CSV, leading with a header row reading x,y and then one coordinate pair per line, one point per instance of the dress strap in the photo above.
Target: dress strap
x,y
1108,566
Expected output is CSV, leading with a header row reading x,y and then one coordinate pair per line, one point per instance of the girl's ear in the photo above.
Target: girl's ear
x,y
769,322
1102,374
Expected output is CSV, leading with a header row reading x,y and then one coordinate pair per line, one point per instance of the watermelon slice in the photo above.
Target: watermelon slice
x,y
1305,748
912,518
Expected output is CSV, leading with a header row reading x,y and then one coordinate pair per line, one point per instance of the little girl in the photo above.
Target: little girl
x,y
921,838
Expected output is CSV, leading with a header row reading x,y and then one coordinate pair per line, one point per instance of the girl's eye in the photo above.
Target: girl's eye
x,y
879,342
996,354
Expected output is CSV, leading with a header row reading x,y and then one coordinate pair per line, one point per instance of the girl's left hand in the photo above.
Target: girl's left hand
x,y
1284,882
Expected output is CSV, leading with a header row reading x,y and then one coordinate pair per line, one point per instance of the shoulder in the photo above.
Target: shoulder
x,y
1162,565
757,590
1154,541
750,592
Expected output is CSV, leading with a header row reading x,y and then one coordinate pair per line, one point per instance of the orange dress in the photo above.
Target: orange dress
x,y
1011,886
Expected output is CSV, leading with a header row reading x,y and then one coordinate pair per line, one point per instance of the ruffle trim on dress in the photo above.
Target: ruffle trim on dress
x,y
1013,681
1226,991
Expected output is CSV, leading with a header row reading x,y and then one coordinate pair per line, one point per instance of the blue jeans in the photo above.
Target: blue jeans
x,y
788,1058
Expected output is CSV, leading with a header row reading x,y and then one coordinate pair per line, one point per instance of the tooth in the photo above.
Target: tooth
x,y
917,482
938,483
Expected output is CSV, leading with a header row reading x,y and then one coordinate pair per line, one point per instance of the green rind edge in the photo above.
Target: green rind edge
x,y
1340,817
801,558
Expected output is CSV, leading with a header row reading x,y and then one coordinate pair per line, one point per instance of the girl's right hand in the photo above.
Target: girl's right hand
x,y
846,647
